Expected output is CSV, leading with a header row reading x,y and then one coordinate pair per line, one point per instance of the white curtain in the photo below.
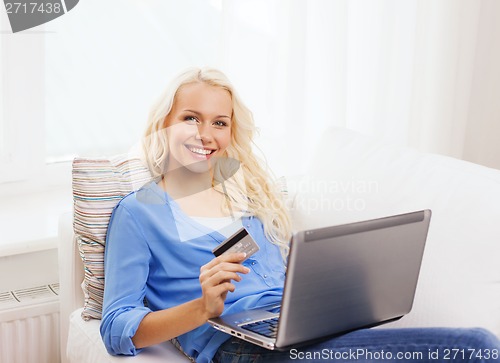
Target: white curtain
x,y
420,73
424,74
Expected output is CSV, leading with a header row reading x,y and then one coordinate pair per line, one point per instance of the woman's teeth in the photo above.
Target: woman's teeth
x,y
200,151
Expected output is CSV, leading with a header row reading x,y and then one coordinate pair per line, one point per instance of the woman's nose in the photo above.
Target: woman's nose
x,y
204,132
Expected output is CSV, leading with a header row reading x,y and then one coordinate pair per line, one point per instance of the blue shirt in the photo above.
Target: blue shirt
x,y
155,251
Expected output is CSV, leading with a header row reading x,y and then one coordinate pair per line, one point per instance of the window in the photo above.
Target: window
x,y
22,102
2,126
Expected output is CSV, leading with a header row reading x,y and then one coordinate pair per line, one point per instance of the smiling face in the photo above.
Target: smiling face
x,y
198,126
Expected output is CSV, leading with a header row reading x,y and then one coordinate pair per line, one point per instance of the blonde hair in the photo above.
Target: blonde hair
x,y
250,189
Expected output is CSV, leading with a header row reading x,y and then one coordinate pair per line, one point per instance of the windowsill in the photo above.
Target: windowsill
x,y
29,221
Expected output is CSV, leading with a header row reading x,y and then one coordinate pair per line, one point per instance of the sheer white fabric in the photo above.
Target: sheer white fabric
x,y
417,73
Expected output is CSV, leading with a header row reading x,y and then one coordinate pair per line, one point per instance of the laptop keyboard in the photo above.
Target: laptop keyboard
x,y
267,327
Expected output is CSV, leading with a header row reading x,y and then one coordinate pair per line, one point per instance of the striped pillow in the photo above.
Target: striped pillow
x,y
98,185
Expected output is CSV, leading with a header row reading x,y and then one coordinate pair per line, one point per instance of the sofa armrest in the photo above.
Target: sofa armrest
x,y
70,277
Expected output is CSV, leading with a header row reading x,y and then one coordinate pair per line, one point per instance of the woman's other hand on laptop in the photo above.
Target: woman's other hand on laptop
x,y
215,280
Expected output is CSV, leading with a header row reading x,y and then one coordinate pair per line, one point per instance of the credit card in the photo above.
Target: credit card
x,y
240,241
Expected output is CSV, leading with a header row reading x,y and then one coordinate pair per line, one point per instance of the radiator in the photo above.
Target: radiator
x,y
29,325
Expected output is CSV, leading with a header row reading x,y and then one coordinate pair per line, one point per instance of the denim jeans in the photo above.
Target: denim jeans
x,y
377,345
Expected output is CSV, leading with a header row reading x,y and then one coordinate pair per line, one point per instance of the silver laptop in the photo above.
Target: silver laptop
x,y
339,279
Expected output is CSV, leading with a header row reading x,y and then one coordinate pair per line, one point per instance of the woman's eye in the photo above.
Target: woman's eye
x,y
190,119
220,123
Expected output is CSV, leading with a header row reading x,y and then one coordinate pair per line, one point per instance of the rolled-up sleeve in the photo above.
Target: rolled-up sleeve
x,y
126,269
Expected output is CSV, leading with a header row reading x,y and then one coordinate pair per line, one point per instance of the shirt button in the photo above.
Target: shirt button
x,y
265,276
254,263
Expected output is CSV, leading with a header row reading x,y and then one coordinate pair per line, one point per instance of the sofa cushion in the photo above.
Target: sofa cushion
x,y
85,345
98,185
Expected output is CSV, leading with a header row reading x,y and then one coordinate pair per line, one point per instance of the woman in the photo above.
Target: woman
x,y
162,281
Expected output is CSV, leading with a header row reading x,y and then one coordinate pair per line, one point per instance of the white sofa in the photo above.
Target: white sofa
x,y
353,177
